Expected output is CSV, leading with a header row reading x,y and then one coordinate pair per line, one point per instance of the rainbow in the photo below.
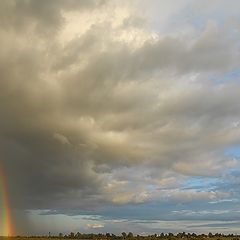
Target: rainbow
x,y
6,224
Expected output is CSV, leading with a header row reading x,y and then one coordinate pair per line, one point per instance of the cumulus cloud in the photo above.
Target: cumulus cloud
x,y
99,109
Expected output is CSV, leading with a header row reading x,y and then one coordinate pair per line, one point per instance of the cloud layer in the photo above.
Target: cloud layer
x,y
101,107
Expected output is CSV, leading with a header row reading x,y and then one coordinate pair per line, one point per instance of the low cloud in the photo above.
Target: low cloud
x,y
95,226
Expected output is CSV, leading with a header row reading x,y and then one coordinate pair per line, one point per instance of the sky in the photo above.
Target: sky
x,y
120,115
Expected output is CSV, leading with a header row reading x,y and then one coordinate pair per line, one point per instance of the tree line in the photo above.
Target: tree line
x,y
131,236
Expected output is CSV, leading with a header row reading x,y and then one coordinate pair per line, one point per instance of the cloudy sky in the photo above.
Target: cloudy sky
x,y
120,115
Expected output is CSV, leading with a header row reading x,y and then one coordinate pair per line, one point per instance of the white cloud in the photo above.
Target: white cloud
x,y
95,226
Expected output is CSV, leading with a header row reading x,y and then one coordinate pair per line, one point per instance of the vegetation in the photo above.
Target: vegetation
x,y
130,236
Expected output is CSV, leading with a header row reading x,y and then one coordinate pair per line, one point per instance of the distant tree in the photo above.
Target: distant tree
x,y
124,235
100,235
162,235
78,235
108,235
210,234
130,235
71,235
60,235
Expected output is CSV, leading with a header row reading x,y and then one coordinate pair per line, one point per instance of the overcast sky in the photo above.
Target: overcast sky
x,y
120,115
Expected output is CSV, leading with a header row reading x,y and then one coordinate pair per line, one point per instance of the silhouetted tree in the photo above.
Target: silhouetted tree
x,y
210,234
71,235
130,235
194,235
124,235
78,235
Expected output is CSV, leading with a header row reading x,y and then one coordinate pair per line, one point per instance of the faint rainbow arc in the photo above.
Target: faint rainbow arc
x,y
5,216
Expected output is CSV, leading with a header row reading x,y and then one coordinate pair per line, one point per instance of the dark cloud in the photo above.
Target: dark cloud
x,y
44,16
110,114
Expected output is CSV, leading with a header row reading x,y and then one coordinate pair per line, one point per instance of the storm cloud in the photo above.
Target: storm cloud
x,y
99,109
